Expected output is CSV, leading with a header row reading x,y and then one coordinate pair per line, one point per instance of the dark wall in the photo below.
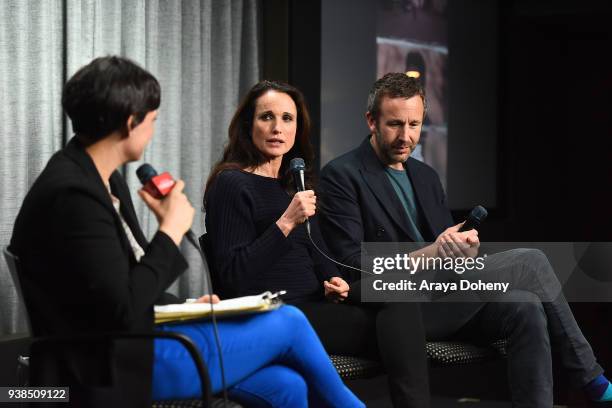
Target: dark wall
x,y
348,69
556,85
473,76
292,52
555,134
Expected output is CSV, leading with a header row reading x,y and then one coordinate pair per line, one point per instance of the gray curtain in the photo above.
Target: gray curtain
x,y
204,53
31,72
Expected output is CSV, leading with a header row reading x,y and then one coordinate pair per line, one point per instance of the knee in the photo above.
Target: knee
x,y
535,259
291,315
292,319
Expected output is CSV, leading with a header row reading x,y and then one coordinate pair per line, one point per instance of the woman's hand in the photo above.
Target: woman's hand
x,y
302,206
174,213
206,299
336,289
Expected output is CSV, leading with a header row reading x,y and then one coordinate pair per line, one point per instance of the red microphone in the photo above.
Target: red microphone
x,y
158,185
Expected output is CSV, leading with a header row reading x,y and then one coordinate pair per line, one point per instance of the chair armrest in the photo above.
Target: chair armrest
x,y
181,338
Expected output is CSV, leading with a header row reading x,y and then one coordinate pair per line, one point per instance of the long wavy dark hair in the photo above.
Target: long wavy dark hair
x,y
241,153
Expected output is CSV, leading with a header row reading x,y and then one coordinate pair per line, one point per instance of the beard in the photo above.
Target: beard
x,y
388,150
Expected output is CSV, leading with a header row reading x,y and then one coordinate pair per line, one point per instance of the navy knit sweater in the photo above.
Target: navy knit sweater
x,y
250,254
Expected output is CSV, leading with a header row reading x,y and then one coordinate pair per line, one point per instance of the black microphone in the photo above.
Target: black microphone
x,y
476,217
297,168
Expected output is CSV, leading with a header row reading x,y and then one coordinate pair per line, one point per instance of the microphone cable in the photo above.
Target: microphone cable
x,y
194,241
329,258
297,166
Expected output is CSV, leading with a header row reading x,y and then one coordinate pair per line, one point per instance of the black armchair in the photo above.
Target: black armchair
x,y
47,364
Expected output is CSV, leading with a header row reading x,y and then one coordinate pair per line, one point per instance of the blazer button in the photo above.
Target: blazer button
x,y
380,232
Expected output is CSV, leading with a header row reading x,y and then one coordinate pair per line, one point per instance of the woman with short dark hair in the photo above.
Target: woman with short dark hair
x,y
86,266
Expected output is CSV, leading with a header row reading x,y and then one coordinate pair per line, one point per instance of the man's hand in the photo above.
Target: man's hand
x,y
454,244
336,289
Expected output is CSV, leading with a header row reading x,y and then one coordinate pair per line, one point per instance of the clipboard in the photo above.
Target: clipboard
x,y
189,311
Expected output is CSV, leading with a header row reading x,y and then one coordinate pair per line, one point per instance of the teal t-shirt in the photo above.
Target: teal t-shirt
x,y
403,188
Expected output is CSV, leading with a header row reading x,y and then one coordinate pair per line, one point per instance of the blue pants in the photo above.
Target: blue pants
x,y
272,359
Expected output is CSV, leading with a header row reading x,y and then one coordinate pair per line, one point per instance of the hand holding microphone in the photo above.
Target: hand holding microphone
x,y
303,204
166,199
461,240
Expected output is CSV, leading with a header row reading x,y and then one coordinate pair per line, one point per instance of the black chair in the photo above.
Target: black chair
x,y
439,353
47,366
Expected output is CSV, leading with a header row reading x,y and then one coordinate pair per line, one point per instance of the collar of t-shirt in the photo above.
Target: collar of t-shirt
x,y
403,188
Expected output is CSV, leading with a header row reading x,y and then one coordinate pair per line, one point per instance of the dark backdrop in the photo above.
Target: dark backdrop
x,y
551,101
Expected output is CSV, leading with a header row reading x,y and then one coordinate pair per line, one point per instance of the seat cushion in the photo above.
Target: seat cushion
x,y
216,403
452,352
438,353
355,367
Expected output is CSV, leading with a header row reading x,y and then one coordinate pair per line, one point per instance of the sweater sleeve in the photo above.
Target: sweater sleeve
x,y
240,254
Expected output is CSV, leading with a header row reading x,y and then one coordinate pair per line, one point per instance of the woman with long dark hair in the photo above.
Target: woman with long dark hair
x,y
254,218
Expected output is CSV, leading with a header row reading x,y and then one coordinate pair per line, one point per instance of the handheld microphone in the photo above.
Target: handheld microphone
x,y
297,167
476,217
158,185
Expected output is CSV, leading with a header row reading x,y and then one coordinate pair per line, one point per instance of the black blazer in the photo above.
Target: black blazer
x,y
79,274
358,203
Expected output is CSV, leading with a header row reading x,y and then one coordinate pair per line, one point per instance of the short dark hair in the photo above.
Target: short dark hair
x,y
101,96
241,153
393,85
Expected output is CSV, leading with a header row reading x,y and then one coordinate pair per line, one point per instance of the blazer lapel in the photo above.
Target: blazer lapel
x,y
121,191
375,177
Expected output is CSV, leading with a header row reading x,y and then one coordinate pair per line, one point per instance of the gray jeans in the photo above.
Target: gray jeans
x,y
532,315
